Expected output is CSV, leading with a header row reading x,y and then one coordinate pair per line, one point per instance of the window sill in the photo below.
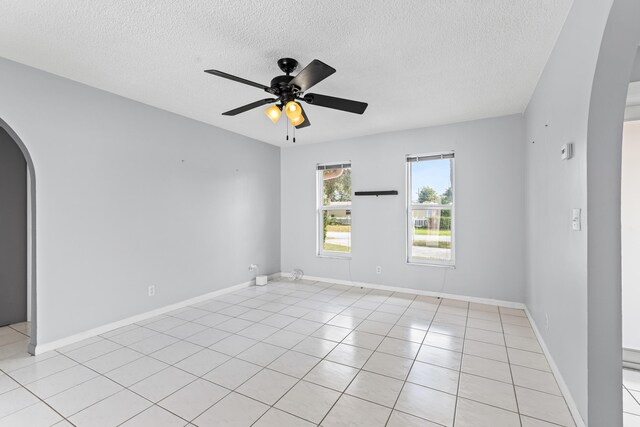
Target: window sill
x,y
430,264
333,256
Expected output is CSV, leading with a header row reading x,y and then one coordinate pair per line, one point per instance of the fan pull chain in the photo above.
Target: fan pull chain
x,y
287,130
294,134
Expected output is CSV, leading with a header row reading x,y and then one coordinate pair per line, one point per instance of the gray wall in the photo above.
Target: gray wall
x,y
635,72
489,197
604,153
129,196
557,264
13,232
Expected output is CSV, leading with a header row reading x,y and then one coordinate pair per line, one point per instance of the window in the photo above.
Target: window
x,y
334,209
430,209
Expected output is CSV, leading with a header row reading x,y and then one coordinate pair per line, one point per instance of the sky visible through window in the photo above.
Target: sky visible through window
x,y
431,173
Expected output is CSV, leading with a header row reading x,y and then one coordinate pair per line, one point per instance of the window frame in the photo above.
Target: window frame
x,y
409,207
321,208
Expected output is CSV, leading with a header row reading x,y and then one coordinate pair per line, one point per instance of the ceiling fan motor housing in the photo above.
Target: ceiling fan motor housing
x,y
284,91
287,65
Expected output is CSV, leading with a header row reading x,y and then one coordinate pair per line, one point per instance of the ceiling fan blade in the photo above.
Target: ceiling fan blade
x,y
312,74
248,107
239,80
306,120
336,103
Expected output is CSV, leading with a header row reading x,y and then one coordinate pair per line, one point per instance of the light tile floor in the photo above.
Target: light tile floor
x,y
631,397
295,354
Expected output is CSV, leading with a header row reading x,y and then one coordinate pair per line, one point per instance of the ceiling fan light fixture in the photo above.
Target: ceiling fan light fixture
x,y
273,113
293,110
297,120
284,90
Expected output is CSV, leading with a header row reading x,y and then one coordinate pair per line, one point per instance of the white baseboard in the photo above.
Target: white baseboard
x,y
509,304
52,345
556,372
631,358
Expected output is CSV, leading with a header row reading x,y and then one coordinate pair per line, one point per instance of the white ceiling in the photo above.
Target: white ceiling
x,y
416,62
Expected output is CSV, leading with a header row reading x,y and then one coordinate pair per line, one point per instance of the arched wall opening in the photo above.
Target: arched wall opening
x,y
31,234
604,158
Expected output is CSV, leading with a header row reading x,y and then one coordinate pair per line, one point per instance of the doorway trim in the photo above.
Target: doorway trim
x,y
31,234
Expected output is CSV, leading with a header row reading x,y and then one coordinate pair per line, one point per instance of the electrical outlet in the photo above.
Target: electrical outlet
x,y
152,290
253,267
576,219
378,270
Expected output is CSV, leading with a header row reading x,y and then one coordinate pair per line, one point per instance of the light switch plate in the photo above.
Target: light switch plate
x,y
566,151
576,220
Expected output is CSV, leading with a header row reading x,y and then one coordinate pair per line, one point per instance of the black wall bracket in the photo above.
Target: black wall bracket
x,y
377,193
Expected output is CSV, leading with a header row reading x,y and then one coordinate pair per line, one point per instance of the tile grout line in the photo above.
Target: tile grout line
x,y
37,397
513,382
370,356
320,361
362,368
175,391
248,379
99,374
412,363
324,358
204,379
464,341
266,367
291,350
631,394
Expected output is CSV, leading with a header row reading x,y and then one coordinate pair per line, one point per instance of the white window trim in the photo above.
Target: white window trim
x,y
409,207
320,209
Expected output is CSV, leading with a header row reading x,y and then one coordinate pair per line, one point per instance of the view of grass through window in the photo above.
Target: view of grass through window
x,y
336,210
430,209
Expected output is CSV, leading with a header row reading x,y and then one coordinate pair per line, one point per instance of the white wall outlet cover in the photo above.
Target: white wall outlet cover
x,y
576,222
378,270
566,151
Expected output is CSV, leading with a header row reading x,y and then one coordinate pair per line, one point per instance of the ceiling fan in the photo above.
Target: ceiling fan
x,y
288,89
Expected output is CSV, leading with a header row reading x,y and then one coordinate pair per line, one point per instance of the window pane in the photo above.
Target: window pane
x,y
431,182
336,187
337,230
431,234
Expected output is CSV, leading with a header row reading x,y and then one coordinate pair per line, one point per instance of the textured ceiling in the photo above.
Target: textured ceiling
x,y
416,62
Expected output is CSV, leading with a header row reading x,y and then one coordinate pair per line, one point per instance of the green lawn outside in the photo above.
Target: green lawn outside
x,y
418,231
336,248
342,228
427,232
426,244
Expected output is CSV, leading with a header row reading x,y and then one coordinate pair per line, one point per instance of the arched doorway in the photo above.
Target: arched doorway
x,y
604,157
19,275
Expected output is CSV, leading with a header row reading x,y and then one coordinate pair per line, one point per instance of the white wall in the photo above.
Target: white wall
x,y
489,203
574,277
635,72
631,236
556,255
128,196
